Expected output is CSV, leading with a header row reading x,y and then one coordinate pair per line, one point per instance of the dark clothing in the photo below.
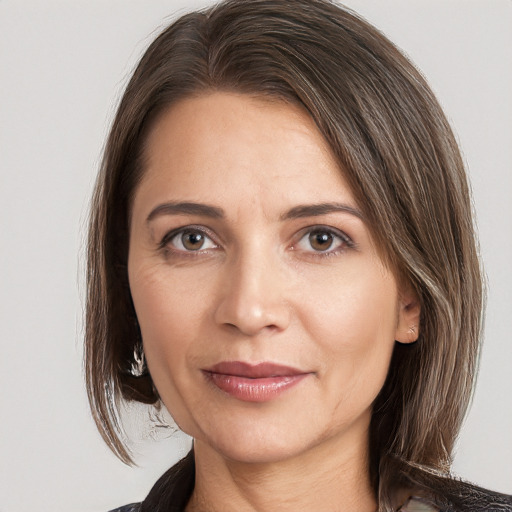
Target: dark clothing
x,y
134,507
172,492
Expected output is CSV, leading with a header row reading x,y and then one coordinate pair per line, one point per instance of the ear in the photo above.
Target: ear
x,y
408,325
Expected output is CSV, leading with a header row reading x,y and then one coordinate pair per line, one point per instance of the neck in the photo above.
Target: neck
x,y
332,476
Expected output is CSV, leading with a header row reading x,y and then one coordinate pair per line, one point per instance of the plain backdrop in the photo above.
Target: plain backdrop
x,y
63,65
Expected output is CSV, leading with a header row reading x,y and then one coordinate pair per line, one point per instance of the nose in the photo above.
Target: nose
x,y
253,297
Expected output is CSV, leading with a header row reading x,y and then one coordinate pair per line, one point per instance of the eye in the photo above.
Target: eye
x,y
189,240
324,240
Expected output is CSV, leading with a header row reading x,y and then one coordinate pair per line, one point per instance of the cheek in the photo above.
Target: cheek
x,y
359,307
165,315
174,311
167,302
354,321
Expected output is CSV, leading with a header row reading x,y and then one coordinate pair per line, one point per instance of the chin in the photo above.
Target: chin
x,y
250,442
264,443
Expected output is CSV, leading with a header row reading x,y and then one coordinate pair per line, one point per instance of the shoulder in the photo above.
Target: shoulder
x,y
461,496
458,496
477,499
133,507
447,493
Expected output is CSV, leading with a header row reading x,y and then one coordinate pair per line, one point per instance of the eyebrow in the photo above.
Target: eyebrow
x,y
205,210
186,208
315,210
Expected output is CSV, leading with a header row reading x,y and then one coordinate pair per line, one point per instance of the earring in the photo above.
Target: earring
x,y
138,367
413,334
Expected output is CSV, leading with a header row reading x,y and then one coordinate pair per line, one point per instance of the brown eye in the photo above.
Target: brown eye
x,y
192,241
321,240
189,240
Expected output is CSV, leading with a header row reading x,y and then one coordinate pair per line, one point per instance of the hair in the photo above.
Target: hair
x,y
395,147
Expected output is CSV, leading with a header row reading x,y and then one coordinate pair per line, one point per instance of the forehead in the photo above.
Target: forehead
x,y
219,143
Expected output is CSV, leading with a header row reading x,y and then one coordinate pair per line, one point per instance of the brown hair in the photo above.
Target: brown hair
x,y
400,157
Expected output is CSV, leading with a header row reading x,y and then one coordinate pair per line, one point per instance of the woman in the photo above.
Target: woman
x,y
282,230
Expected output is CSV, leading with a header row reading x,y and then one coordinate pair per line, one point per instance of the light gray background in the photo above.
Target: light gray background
x,y
63,65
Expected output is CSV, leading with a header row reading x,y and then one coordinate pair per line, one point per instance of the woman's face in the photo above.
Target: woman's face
x,y
268,318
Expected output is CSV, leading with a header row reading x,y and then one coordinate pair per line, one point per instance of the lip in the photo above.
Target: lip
x,y
254,383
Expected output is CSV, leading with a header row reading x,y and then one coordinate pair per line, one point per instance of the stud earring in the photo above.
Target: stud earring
x,y
413,333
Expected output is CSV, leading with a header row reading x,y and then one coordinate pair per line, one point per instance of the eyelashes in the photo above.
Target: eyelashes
x,y
189,239
317,241
324,240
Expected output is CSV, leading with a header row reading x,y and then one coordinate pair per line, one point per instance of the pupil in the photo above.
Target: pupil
x,y
192,241
320,241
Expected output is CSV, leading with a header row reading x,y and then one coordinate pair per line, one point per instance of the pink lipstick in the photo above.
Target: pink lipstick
x,y
254,383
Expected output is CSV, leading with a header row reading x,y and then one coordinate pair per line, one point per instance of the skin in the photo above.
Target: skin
x,y
259,290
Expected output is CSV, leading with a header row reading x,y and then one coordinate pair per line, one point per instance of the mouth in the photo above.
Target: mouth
x,y
254,383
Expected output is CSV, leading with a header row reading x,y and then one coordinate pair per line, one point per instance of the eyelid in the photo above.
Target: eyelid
x,y
166,239
338,233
